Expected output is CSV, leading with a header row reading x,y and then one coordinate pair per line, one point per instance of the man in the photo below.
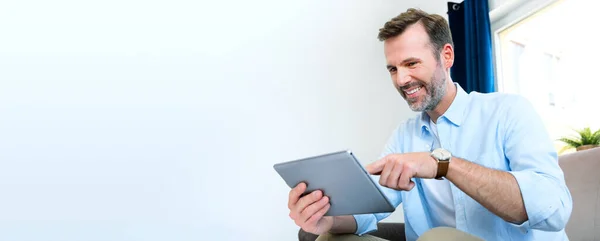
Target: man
x,y
467,167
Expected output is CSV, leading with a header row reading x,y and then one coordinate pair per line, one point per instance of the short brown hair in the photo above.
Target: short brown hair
x,y
435,25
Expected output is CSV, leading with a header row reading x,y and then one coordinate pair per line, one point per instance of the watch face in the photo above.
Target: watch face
x,y
441,154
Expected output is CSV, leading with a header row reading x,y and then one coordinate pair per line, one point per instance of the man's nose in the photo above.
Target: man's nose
x,y
403,77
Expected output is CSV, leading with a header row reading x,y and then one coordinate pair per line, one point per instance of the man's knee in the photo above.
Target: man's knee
x,y
447,234
347,237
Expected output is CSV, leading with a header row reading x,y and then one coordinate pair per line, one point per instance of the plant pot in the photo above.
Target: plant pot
x,y
585,147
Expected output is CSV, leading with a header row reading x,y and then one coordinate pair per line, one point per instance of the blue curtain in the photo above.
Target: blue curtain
x,y
470,27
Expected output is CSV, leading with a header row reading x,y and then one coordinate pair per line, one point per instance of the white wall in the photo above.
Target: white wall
x,y
161,120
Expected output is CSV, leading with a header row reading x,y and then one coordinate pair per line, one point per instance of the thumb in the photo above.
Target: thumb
x,y
376,167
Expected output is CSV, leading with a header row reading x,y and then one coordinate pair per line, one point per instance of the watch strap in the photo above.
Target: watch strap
x,y
442,169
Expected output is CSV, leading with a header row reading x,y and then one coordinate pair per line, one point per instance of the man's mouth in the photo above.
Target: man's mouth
x,y
412,92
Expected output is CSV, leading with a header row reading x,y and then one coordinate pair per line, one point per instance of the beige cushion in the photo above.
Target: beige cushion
x,y
582,175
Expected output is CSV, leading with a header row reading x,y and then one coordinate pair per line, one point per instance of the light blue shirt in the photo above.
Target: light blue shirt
x,y
499,131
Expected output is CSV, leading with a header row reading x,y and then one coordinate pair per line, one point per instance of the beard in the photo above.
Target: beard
x,y
435,91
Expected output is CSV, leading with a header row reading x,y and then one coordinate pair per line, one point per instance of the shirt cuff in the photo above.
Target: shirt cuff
x,y
365,223
537,198
524,227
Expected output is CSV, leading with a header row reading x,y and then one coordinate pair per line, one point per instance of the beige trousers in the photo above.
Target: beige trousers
x,y
440,233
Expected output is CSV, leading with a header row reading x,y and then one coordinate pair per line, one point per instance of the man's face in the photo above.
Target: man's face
x,y
417,73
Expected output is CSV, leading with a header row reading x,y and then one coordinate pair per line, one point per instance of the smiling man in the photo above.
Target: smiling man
x,y
469,166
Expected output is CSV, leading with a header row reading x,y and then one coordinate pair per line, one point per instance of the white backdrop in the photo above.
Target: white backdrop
x,y
161,120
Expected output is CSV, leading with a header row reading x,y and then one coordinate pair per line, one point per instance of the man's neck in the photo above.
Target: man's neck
x,y
445,103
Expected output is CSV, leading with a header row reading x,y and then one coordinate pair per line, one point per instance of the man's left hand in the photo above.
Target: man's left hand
x,y
396,170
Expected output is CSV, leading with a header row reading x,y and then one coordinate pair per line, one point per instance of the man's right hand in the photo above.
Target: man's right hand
x,y
307,211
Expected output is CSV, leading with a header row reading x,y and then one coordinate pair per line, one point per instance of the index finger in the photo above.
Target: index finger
x,y
295,194
376,167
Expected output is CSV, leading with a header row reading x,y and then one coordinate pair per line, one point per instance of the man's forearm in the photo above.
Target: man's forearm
x,y
343,224
498,191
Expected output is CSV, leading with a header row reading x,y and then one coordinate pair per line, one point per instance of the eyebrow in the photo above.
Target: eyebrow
x,y
410,59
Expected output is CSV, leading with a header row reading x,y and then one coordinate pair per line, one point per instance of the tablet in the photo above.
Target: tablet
x,y
340,176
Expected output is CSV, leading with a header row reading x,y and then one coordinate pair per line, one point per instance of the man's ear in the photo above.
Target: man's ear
x,y
448,56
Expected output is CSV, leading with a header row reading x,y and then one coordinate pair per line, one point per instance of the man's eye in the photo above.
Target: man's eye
x,y
392,70
411,64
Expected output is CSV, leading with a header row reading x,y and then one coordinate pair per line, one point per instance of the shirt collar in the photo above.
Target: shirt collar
x,y
455,112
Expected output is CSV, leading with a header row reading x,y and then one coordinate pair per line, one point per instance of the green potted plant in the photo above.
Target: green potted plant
x,y
586,139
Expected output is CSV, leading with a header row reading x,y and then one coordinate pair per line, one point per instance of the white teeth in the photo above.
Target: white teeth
x,y
413,91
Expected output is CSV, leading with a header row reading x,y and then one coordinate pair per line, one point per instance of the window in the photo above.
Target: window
x,y
550,58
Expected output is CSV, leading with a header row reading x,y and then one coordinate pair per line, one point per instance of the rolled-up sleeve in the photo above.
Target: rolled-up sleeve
x,y
365,223
534,164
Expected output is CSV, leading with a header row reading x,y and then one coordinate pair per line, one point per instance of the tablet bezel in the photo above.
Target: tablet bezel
x,y
309,170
